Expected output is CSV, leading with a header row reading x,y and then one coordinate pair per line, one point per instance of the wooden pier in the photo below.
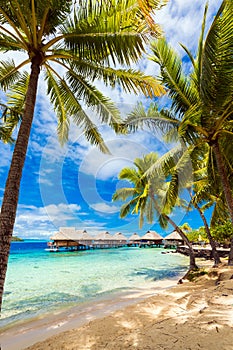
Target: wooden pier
x,y
203,251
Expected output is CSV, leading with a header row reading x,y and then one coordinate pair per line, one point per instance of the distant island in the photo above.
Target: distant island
x,y
16,239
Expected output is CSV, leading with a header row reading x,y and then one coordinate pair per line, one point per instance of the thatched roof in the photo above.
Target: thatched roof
x,y
135,237
152,235
174,236
86,237
58,236
119,237
104,236
67,234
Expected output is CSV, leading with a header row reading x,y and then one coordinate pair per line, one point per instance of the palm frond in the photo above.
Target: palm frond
x,y
8,74
17,94
93,98
141,199
9,120
217,62
129,79
7,43
57,98
103,30
129,174
172,76
165,163
152,118
198,66
123,194
67,106
127,208
220,212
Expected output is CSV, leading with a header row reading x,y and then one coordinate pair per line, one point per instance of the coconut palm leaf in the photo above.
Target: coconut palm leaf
x,y
17,94
10,118
90,20
9,74
178,84
217,62
152,118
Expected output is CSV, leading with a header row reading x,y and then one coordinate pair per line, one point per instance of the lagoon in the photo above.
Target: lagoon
x,y
39,281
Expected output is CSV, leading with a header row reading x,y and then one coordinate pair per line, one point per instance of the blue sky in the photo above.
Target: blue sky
x,y
73,185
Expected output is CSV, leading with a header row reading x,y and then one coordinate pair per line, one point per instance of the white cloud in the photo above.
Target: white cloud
x,y
41,221
103,207
124,149
181,20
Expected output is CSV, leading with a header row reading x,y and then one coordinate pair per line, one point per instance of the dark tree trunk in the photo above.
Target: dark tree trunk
x,y
11,194
192,261
226,187
217,260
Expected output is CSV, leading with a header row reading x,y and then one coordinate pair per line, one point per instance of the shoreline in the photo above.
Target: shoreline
x,y
28,332
90,325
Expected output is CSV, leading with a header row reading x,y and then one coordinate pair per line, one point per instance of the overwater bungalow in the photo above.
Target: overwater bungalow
x,y
66,239
173,240
87,240
104,240
134,240
151,238
121,240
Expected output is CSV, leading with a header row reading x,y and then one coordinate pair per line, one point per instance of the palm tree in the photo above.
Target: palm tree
x,y
196,181
201,109
73,44
147,197
8,121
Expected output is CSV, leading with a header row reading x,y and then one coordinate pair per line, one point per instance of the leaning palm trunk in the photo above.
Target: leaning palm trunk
x,y
227,189
192,262
215,254
10,199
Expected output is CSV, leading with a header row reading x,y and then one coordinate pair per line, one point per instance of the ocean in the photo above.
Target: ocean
x,y
39,281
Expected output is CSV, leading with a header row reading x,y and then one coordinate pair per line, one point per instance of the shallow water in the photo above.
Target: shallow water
x,y
39,281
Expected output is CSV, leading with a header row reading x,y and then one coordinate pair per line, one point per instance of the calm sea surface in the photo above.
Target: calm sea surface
x,y
39,281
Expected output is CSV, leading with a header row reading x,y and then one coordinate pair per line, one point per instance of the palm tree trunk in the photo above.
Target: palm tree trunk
x,y
192,261
217,260
226,187
11,194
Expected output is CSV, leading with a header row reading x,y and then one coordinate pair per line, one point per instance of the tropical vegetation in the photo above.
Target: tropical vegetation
x,y
199,117
72,44
146,196
223,232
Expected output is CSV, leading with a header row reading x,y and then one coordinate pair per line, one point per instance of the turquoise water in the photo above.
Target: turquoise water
x,y
39,281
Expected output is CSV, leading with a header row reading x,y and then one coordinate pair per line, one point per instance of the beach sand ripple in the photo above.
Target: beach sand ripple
x,y
191,316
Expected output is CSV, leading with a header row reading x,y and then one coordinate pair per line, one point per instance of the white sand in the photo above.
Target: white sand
x,y
190,316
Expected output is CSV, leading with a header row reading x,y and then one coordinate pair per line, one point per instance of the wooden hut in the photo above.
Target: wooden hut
x,y
134,240
104,240
66,239
86,240
173,240
151,238
121,240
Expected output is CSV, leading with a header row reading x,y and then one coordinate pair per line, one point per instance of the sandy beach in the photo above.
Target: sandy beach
x,y
192,315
